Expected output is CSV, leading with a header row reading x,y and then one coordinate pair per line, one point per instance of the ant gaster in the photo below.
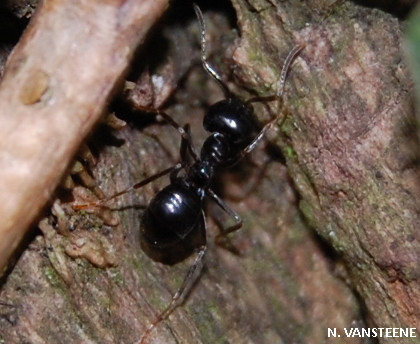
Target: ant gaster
x,y
173,223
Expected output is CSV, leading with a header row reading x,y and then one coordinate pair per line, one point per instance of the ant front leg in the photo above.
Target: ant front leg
x,y
222,238
187,146
184,131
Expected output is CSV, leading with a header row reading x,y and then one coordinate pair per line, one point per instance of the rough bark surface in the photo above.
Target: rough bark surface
x,y
351,146
349,153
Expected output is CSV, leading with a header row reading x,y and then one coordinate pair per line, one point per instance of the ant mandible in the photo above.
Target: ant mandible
x,y
173,224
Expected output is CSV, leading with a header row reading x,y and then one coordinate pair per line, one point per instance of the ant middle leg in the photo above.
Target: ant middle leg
x,y
136,186
222,238
259,170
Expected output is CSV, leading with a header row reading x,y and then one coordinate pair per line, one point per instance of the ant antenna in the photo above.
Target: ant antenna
x,y
282,80
286,67
210,70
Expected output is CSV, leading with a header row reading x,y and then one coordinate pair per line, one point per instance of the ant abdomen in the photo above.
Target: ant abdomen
x,y
169,224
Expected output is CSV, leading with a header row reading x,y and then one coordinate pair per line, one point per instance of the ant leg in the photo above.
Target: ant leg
x,y
253,181
222,238
286,67
140,184
190,278
187,143
184,131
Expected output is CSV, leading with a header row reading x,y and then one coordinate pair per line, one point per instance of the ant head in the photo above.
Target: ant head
x,y
232,118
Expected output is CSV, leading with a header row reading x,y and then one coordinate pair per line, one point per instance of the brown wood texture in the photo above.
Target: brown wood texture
x,y
57,81
352,149
345,158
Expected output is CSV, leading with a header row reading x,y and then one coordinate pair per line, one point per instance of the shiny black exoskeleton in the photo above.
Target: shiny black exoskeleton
x,y
172,224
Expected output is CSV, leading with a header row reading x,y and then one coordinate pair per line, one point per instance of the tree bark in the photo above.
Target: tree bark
x,y
351,147
348,143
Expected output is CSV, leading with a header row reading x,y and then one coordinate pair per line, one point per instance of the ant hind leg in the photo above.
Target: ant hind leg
x,y
180,295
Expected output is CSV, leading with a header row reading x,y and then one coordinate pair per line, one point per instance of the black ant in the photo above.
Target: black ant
x,y
173,223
